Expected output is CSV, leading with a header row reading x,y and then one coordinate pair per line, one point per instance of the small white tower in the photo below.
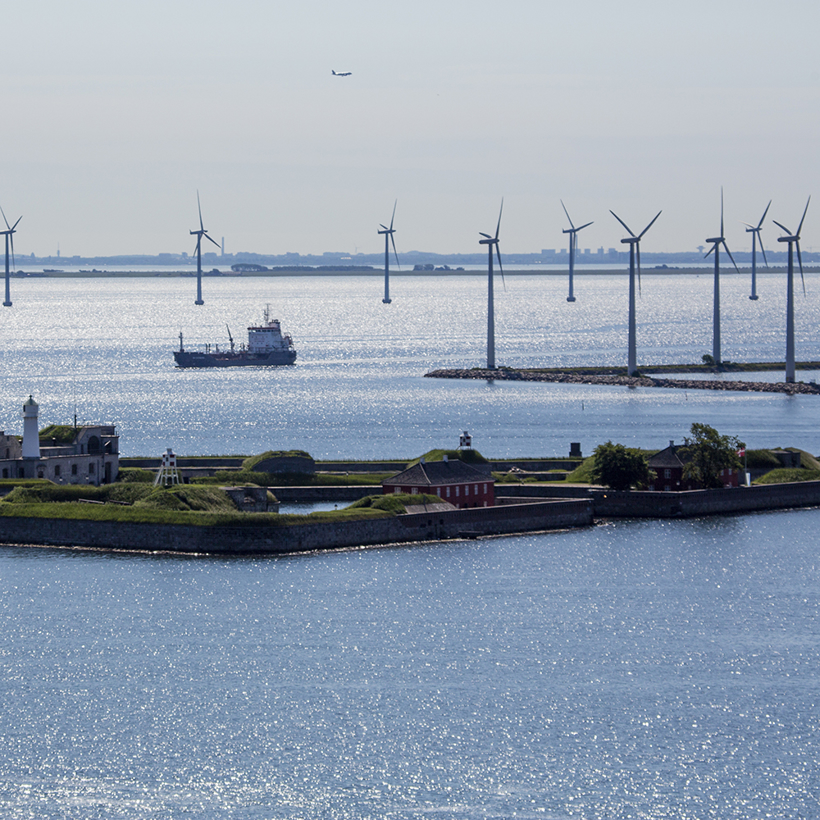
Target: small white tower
x,y
168,473
31,433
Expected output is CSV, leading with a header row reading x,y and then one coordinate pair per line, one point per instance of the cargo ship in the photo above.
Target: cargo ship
x,y
267,345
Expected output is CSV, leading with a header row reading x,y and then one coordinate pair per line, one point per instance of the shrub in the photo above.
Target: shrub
x,y
619,467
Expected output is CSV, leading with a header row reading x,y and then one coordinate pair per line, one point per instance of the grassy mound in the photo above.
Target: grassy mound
x,y
467,456
230,477
396,503
583,473
788,475
60,433
135,475
181,497
250,463
759,459
186,497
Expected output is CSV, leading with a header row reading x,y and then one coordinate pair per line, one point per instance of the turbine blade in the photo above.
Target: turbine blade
x,y
199,208
500,266
640,235
395,252
384,227
567,213
583,226
622,223
500,211
16,223
726,247
11,242
708,252
763,250
782,227
481,233
638,254
211,240
800,226
4,217
394,214
760,224
800,262
721,210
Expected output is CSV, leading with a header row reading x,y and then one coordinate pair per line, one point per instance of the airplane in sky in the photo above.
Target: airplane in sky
x,y
340,73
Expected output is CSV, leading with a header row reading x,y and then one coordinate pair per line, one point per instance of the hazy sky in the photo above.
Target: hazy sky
x,y
116,113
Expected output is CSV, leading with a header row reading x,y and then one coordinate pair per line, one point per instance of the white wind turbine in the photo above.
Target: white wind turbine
x,y
716,242
492,242
573,246
794,241
634,243
755,232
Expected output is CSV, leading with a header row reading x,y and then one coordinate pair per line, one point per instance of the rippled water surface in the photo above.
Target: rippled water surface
x,y
634,670
641,669
358,389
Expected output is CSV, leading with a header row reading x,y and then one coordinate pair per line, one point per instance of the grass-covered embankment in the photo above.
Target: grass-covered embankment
x,y
291,479
138,503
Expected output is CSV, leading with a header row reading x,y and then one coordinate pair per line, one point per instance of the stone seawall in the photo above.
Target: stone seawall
x,y
611,504
259,540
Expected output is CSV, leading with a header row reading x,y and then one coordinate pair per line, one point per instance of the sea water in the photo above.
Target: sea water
x,y
639,669
103,348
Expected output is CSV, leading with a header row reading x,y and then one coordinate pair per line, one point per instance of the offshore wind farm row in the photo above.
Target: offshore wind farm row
x,y
492,241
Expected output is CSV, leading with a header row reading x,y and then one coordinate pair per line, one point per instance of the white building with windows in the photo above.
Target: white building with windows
x,y
64,454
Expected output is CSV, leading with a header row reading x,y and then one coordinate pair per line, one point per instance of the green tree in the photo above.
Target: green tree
x,y
707,453
619,467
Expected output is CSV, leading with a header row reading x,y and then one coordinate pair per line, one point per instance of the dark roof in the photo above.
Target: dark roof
x,y
427,474
666,458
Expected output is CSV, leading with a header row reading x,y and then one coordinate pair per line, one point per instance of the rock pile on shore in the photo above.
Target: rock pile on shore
x,y
507,374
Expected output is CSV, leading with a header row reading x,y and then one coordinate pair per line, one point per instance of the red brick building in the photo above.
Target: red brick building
x,y
461,484
668,468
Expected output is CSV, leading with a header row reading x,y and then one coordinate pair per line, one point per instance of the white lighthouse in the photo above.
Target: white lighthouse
x,y
31,433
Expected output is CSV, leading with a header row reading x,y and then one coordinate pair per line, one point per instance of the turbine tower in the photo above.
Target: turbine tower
x,y
717,241
9,234
492,242
388,238
199,234
755,232
794,240
634,243
573,244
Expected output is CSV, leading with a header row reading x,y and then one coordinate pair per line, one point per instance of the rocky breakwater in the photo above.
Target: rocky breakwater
x,y
509,374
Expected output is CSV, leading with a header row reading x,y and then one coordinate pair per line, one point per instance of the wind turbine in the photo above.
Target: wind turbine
x,y
634,243
717,241
755,232
199,234
9,234
388,237
573,244
492,242
793,239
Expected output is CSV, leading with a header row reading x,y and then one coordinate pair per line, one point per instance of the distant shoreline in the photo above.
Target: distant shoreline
x,y
378,272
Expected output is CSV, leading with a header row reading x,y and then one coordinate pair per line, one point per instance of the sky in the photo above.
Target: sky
x,y
116,114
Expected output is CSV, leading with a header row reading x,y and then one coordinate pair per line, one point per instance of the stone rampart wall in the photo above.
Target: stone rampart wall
x,y
608,503
299,538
